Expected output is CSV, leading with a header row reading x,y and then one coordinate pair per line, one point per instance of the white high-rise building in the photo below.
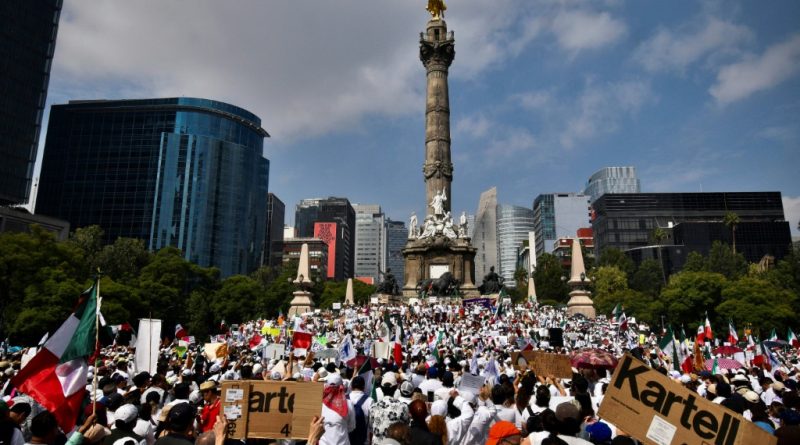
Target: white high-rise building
x,y
370,254
513,225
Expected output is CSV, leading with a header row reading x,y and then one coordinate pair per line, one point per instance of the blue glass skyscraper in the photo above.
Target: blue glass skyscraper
x,y
181,172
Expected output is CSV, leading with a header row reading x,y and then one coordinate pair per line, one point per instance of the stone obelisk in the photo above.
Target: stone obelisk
x,y
439,258
302,302
579,299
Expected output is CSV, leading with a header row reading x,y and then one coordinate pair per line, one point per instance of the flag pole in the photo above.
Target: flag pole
x,y
96,338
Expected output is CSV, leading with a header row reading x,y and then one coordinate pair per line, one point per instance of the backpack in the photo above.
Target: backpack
x,y
359,435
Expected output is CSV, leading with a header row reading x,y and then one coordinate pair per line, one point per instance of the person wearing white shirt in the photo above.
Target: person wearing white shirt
x,y
338,413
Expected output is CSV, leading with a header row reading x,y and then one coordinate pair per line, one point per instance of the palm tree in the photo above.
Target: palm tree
x,y
732,220
658,235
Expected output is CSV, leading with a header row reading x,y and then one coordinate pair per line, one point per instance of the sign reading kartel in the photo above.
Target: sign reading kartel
x,y
656,410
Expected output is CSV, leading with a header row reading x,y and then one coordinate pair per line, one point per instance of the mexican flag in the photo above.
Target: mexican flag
x,y
670,347
366,372
773,336
435,345
732,337
56,376
708,333
792,339
616,313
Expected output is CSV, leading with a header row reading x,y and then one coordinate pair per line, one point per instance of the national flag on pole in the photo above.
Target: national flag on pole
x,y
56,376
616,313
435,345
792,339
707,328
732,337
670,347
256,342
773,336
701,334
623,322
366,372
347,351
180,331
769,358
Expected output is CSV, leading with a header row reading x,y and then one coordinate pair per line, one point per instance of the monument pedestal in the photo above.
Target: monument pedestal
x,y
580,303
429,258
301,303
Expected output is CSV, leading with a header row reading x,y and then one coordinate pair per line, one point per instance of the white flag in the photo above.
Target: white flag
x,y
147,345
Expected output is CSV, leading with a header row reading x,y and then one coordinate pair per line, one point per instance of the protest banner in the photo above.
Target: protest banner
x,y
482,302
337,306
543,363
471,383
657,410
270,410
274,350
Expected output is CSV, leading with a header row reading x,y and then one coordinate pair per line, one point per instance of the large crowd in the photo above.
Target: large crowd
x,y
395,378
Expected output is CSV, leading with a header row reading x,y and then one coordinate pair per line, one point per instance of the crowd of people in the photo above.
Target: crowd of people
x,y
395,378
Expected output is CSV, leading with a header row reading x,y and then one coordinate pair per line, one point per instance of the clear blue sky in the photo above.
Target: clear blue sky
x,y
696,95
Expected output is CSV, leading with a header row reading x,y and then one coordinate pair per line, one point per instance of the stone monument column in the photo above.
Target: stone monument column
x,y
437,50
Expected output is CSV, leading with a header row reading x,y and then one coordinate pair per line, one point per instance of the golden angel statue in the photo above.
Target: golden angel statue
x,y
436,8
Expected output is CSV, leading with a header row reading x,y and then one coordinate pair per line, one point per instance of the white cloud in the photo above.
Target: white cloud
x,y
306,68
599,109
791,209
670,50
475,126
757,73
578,30
511,141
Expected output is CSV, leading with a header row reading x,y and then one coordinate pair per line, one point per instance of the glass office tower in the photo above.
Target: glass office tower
x,y
181,172
513,225
27,43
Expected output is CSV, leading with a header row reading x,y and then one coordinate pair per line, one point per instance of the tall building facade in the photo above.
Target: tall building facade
x,y
182,172
333,220
690,222
273,236
370,252
513,225
27,44
484,236
612,180
558,215
396,237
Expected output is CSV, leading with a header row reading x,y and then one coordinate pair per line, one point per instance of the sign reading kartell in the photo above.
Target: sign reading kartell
x,y
656,410
270,410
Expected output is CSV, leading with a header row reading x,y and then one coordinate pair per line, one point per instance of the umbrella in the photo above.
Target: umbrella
x,y
594,358
727,350
723,363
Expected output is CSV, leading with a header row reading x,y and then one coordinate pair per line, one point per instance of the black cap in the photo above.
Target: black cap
x,y
180,417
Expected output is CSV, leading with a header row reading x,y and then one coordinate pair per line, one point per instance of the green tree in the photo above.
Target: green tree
x,y
648,278
689,294
612,256
724,261
609,283
121,302
89,240
759,302
732,220
695,262
169,280
40,281
123,260
235,300
548,279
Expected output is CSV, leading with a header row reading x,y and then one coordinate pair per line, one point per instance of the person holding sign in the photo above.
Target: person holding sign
x,y
338,413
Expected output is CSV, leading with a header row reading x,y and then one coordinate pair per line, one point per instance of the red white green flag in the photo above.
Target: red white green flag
x,y
792,339
56,376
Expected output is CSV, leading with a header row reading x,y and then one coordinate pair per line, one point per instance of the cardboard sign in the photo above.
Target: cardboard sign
x,y
270,410
543,363
656,410
274,350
